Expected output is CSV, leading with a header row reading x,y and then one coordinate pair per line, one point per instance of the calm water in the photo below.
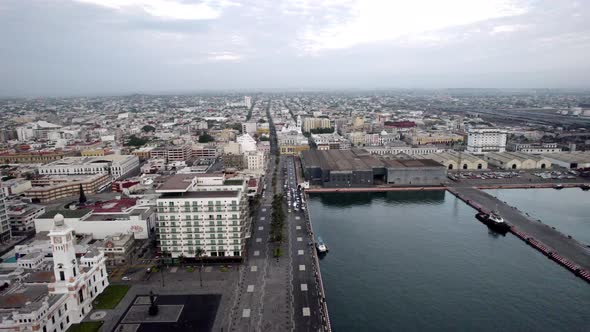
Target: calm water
x,y
420,261
567,210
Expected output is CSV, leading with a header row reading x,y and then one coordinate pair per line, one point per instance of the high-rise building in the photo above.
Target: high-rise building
x,y
202,211
316,123
5,233
248,101
484,140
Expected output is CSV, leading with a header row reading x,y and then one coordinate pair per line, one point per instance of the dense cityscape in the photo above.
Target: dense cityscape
x,y
294,165
106,198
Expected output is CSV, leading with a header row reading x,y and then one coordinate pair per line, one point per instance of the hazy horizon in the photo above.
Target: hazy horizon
x,y
119,47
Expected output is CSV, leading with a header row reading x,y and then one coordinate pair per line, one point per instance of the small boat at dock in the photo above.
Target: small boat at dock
x,y
320,246
585,187
494,221
558,186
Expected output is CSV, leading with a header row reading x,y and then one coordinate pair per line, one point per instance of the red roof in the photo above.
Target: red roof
x,y
115,205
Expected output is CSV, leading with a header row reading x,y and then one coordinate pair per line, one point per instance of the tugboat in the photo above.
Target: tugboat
x,y
320,246
494,221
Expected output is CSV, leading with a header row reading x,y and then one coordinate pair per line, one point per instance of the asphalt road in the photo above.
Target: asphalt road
x,y
305,288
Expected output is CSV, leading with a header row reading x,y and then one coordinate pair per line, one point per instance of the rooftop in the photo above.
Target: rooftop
x,y
202,194
79,213
177,182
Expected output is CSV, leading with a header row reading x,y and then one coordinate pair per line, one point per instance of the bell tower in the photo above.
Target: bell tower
x,y
65,265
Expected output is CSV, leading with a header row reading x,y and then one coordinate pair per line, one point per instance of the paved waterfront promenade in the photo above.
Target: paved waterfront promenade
x,y
567,247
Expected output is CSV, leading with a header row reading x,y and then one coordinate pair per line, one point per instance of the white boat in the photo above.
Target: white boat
x,y
321,246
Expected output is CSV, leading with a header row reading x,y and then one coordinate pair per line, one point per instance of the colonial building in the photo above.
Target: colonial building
x,y
54,300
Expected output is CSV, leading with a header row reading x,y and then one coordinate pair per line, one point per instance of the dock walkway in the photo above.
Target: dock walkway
x,y
559,244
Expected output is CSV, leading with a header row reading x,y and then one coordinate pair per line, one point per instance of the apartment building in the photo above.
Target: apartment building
x,y
202,211
52,187
5,234
484,140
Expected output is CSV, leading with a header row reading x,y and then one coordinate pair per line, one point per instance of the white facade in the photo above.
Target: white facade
x,y
116,165
203,213
249,128
484,140
254,160
247,143
248,101
102,225
68,299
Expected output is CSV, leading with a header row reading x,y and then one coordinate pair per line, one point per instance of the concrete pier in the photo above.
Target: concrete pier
x,y
561,247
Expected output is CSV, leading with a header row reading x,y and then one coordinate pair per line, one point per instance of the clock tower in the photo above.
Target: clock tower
x,y
65,265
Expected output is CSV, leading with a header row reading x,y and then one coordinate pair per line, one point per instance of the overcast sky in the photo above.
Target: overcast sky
x,y
73,47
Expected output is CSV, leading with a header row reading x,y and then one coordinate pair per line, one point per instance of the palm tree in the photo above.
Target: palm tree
x,y
199,255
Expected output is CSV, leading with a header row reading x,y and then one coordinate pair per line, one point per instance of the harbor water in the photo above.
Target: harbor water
x,y
420,261
568,210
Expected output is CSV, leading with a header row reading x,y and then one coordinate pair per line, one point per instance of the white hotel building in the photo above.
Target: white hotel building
x,y
484,140
48,301
203,211
116,165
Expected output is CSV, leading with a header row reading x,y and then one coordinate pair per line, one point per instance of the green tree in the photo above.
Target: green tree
x,y
206,138
136,141
148,128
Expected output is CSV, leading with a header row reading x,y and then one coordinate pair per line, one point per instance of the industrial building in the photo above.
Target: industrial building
x,y
577,159
358,168
517,160
458,160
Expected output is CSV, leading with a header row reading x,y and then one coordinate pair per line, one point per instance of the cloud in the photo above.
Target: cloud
x,y
378,21
508,28
224,56
167,9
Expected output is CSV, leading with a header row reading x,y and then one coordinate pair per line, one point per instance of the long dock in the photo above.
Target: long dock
x,y
557,246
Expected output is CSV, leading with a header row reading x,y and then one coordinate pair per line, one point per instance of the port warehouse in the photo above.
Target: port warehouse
x,y
358,168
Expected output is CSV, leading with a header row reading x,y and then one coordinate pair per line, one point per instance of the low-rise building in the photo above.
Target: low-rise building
x,y
103,219
434,138
117,248
517,160
117,166
22,217
535,148
30,157
51,187
458,160
576,159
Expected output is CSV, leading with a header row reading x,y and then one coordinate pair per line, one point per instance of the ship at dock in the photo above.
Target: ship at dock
x,y
494,221
320,246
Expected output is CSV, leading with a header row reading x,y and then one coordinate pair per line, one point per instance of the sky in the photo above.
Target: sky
x,y
90,47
